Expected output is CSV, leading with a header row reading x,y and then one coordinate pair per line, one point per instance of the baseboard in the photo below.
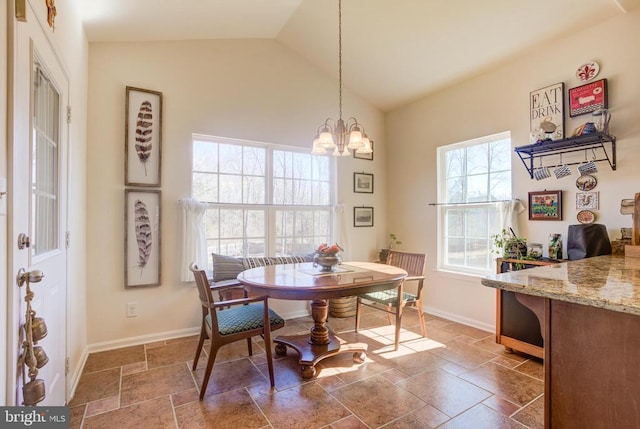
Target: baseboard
x,y
76,373
162,336
142,339
295,314
460,319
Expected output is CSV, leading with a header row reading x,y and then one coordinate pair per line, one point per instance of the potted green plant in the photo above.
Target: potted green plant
x,y
393,241
508,245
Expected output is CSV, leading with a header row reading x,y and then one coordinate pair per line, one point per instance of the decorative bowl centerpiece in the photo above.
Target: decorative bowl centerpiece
x,y
327,257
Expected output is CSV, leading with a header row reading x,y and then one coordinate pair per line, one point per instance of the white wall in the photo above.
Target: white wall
x,y
245,89
498,101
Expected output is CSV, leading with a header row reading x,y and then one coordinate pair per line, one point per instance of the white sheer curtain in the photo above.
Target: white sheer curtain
x,y
194,241
341,235
509,211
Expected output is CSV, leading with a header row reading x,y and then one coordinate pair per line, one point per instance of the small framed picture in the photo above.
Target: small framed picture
x,y
545,205
588,98
363,216
143,137
368,156
363,183
587,200
142,238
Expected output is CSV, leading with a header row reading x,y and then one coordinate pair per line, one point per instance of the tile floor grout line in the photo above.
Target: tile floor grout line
x,y
528,375
192,374
344,405
258,406
527,404
173,411
84,415
120,389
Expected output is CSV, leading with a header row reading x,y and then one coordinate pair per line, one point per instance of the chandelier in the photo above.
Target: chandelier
x,y
340,135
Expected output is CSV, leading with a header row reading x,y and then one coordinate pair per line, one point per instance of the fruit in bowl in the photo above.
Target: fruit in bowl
x,y
326,257
325,249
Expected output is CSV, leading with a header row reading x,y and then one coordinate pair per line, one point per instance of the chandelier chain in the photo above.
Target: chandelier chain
x,y
340,56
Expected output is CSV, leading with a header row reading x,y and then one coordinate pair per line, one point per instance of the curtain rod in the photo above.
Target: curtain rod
x,y
245,205
472,203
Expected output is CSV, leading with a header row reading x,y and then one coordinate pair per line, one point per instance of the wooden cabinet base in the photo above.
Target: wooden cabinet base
x,y
517,327
512,344
517,323
592,367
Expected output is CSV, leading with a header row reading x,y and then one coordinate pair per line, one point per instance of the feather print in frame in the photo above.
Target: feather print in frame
x,y
143,137
143,234
142,214
144,133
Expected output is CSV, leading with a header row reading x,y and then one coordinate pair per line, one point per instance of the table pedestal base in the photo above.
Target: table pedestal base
x,y
320,344
310,354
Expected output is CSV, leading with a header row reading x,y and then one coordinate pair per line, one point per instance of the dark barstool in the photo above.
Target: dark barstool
x,y
585,241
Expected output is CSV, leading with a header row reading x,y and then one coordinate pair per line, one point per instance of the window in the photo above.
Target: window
x,y
474,181
264,200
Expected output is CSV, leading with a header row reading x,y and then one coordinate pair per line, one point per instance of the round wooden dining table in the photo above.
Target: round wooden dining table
x,y
304,281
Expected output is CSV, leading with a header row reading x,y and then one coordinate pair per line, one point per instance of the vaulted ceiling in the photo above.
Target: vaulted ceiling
x,y
394,51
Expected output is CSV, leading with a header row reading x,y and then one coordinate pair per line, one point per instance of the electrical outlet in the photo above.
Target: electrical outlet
x,y
132,309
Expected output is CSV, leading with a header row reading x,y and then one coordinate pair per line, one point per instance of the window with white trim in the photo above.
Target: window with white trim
x,y
474,181
264,200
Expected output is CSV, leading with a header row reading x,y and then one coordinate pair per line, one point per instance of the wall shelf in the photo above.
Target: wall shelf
x,y
595,142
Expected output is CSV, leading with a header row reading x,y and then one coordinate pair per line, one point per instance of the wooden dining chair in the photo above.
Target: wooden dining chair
x,y
394,301
224,322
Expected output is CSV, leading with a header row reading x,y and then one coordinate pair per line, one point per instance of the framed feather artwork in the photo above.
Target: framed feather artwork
x,y
142,238
143,137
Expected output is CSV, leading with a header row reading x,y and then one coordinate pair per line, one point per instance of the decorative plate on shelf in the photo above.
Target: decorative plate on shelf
x,y
586,216
587,71
586,182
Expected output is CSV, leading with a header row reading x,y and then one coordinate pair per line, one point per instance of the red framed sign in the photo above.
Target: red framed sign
x,y
588,98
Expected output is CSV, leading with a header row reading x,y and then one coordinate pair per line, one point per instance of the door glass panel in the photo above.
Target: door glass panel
x,y
44,164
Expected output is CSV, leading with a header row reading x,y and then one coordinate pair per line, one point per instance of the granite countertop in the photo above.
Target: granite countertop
x,y
611,282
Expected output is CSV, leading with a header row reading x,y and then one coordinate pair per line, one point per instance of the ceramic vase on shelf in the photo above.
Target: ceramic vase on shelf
x,y
601,120
555,246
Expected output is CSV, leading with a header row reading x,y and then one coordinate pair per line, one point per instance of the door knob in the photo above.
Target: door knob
x,y
34,276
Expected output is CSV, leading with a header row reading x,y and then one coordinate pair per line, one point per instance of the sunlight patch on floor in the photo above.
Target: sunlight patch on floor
x,y
410,342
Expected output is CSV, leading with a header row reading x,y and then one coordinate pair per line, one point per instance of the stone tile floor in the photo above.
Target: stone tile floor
x,y
457,377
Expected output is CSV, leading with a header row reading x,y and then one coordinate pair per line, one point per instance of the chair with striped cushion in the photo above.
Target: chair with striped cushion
x,y
394,301
242,319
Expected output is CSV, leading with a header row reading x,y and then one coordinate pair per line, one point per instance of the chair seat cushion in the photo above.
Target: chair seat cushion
x,y
388,296
243,318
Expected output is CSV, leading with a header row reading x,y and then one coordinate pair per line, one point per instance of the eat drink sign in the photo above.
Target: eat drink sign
x,y
547,105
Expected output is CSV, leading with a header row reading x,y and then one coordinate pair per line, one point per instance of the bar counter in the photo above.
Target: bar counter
x,y
611,282
588,311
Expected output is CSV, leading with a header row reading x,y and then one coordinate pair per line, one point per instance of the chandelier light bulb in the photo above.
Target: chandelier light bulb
x,y
326,139
318,149
355,139
366,146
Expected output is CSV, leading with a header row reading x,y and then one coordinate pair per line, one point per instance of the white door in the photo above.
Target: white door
x,y
37,202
